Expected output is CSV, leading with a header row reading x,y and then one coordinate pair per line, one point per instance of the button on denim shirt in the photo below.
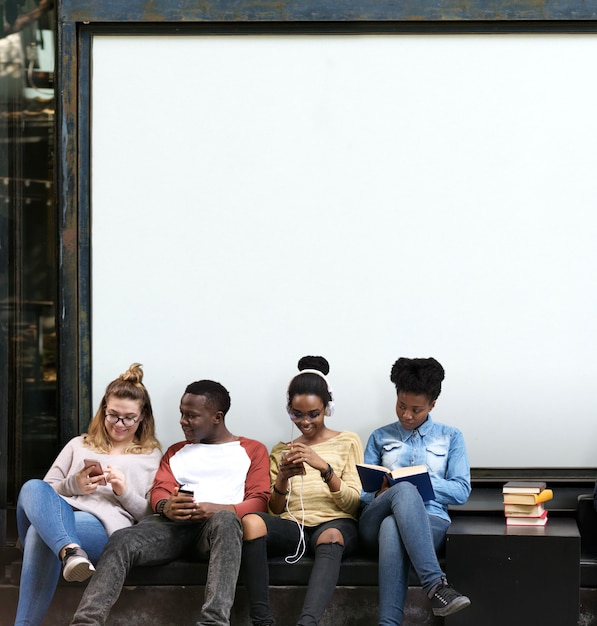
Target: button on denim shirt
x,y
437,446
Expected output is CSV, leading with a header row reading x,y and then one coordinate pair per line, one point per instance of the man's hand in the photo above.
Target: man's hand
x,y
204,510
180,507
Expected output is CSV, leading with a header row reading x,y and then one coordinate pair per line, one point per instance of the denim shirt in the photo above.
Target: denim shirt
x,y
439,447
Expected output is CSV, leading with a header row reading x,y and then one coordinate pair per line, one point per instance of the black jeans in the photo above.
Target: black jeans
x,y
282,539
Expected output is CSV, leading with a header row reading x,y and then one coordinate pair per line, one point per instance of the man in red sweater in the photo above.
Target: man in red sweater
x,y
204,485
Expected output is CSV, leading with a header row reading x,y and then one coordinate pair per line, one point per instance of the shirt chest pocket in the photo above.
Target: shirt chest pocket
x,y
437,458
395,454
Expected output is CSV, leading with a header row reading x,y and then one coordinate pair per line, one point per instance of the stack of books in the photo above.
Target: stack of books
x,y
524,502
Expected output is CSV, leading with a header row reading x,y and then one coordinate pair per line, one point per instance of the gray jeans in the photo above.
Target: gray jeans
x,y
156,540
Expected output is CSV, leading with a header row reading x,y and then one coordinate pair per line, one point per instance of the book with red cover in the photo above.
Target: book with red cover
x,y
527,521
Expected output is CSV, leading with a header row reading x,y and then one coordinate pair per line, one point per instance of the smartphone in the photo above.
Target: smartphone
x,y
299,465
95,469
185,489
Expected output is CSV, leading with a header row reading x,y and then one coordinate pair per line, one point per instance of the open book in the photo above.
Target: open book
x,y
372,478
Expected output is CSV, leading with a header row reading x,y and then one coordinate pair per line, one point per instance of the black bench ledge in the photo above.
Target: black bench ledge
x,y
357,571
567,485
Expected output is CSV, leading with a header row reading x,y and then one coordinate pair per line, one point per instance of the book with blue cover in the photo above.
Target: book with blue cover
x,y
372,477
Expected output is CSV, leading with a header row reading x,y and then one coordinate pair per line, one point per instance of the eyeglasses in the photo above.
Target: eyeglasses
x,y
127,422
297,415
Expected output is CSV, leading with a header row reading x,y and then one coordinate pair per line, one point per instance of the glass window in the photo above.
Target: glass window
x,y
28,415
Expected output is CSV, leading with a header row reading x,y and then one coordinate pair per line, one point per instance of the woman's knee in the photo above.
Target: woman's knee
x,y
406,504
33,488
402,490
253,527
331,535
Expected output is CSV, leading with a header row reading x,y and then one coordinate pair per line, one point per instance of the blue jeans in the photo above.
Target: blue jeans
x,y
46,523
156,540
397,524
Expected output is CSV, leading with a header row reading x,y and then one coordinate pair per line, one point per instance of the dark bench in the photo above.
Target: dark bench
x,y
356,571
359,573
361,570
177,586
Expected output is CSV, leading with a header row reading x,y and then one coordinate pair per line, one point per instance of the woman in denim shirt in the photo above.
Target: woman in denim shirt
x,y
395,521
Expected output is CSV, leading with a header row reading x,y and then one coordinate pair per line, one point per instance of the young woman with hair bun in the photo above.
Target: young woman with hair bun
x,y
65,519
314,499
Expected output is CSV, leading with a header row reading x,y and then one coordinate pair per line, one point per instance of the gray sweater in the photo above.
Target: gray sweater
x,y
113,511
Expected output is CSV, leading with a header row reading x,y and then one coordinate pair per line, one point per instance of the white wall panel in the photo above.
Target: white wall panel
x,y
361,197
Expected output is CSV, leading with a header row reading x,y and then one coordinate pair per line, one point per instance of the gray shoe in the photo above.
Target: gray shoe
x,y
446,600
76,566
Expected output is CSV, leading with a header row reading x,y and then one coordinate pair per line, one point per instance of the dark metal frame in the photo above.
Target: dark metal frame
x,y
79,20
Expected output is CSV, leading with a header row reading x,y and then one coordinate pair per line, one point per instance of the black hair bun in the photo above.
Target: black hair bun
x,y
314,363
428,371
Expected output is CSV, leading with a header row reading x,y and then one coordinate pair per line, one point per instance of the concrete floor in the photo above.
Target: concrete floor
x,y
178,606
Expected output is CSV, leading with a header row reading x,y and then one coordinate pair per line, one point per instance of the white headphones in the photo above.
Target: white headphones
x,y
329,409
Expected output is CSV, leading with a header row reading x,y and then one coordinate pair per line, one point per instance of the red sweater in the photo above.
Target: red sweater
x,y
256,479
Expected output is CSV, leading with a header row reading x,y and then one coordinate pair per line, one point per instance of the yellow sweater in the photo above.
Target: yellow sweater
x,y
342,452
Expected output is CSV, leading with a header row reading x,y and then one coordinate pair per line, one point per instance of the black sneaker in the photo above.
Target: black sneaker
x,y
76,566
446,600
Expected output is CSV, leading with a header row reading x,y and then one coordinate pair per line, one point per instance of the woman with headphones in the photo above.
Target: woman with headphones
x,y
314,499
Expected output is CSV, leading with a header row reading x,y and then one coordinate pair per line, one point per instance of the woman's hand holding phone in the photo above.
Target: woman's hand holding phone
x,y
291,464
90,476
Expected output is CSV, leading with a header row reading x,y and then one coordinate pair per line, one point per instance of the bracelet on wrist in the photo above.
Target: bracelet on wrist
x,y
326,476
159,509
281,493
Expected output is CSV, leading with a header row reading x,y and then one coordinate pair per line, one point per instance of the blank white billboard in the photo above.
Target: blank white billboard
x,y
259,198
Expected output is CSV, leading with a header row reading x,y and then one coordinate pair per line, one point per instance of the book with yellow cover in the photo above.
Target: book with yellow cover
x,y
372,477
528,498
